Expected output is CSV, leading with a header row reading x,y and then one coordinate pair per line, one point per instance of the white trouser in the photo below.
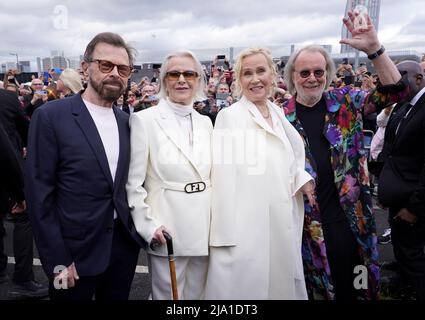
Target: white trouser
x,y
191,274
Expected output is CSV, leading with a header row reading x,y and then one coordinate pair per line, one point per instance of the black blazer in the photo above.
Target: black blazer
x,y
12,180
15,124
402,180
14,119
71,196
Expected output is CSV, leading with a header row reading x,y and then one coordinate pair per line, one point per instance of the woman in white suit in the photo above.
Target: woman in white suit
x,y
258,180
169,186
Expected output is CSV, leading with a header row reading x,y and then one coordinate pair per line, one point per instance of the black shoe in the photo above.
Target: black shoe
x,y
28,290
395,288
385,238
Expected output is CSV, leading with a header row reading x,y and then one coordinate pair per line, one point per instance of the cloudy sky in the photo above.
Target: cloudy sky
x,y
34,28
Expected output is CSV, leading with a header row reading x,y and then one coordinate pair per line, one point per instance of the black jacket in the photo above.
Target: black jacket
x,y
11,178
15,122
15,126
402,180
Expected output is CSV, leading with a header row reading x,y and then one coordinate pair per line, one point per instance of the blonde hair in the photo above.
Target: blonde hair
x,y
72,80
199,93
249,52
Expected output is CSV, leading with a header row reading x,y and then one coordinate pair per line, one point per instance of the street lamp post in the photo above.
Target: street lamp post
x,y
17,60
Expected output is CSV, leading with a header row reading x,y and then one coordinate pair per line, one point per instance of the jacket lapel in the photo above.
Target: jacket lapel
x,y
201,142
124,139
168,123
256,116
411,114
88,127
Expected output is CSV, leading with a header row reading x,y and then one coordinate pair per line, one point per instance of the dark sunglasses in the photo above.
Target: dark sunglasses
x,y
317,73
106,66
175,75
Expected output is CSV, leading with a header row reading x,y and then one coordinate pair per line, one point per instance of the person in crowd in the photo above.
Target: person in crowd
x,y
69,83
12,88
346,72
339,232
12,182
131,102
15,124
119,103
37,98
378,138
148,98
77,167
258,180
223,88
169,179
135,89
402,180
211,87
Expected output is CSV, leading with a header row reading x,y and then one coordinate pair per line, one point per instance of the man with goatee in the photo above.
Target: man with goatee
x,y
78,158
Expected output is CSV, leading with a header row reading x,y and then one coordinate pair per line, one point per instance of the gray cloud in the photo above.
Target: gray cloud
x,y
34,28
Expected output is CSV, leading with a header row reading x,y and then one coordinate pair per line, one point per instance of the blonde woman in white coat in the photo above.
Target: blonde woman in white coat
x,y
169,178
258,181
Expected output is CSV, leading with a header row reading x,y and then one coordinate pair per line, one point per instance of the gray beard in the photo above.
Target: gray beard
x,y
107,94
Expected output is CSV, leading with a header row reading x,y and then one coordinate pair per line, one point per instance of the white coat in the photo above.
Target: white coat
x,y
160,168
257,208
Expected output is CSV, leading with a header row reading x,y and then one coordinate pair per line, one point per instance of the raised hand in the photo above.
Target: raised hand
x,y
363,38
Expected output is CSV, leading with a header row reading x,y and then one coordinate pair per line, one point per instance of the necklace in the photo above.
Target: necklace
x,y
268,114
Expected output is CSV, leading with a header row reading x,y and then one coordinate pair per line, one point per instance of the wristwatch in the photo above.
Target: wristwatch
x,y
376,54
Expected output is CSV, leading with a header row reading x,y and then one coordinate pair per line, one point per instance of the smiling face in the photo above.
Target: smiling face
x,y
256,78
181,91
310,89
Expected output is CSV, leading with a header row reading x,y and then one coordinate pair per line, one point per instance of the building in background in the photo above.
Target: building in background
x,y
59,62
39,68
373,8
24,66
74,63
46,64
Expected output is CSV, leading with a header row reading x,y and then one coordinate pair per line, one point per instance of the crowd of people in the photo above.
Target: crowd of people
x,y
259,172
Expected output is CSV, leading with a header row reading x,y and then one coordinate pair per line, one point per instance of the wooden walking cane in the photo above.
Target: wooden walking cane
x,y
171,263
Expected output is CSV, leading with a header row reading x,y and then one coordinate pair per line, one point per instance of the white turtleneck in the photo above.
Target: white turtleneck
x,y
183,115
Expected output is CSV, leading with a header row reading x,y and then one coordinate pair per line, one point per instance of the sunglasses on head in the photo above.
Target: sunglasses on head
x,y
317,73
106,66
175,75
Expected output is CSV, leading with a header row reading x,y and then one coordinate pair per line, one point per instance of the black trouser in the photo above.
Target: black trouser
x,y
343,257
408,244
22,248
115,282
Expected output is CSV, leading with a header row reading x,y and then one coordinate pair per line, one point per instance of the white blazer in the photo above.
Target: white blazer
x,y
257,207
160,170
242,119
